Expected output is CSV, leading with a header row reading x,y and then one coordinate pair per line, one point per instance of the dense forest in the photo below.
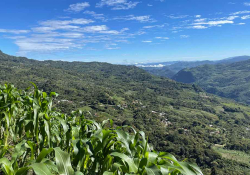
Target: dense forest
x,y
160,71
226,80
178,118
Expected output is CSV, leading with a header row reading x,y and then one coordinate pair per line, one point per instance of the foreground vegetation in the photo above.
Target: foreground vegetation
x,y
178,118
35,137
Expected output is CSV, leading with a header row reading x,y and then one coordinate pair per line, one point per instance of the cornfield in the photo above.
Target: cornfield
x,y
37,139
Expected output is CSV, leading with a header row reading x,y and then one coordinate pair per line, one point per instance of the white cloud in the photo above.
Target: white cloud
x,y
200,20
184,36
198,16
52,25
117,4
44,44
164,38
80,21
96,15
113,48
145,18
154,26
245,17
16,37
78,7
204,23
147,41
150,5
72,35
198,27
230,18
241,23
14,31
214,23
103,29
64,34
240,12
95,28
178,16
247,3
44,29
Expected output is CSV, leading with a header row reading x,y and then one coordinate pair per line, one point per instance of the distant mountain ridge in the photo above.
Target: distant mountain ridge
x,y
168,69
226,80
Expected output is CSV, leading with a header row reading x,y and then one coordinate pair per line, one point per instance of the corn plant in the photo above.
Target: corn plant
x,y
36,139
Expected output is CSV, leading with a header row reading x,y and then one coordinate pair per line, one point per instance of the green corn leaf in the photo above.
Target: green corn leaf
x,y
164,171
116,166
196,168
50,165
143,162
43,154
47,130
153,171
44,94
187,169
41,169
19,150
111,123
167,156
6,164
53,94
63,162
34,85
130,162
151,156
123,137
107,173
105,122
63,123
31,146
22,171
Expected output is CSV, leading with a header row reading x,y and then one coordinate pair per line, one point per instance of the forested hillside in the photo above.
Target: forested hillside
x,y
226,80
160,71
178,118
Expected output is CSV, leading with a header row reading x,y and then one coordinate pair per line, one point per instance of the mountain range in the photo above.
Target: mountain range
x,y
169,69
226,80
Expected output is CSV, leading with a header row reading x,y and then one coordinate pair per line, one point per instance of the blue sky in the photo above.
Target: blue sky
x,y
124,31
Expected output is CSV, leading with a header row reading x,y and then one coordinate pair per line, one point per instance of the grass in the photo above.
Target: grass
x,y
238,156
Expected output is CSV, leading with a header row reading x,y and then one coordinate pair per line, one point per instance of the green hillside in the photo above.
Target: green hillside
x,y
160,71
226,80
178,118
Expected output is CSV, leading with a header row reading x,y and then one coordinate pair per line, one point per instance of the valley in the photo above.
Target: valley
x,y
225,80
178,118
